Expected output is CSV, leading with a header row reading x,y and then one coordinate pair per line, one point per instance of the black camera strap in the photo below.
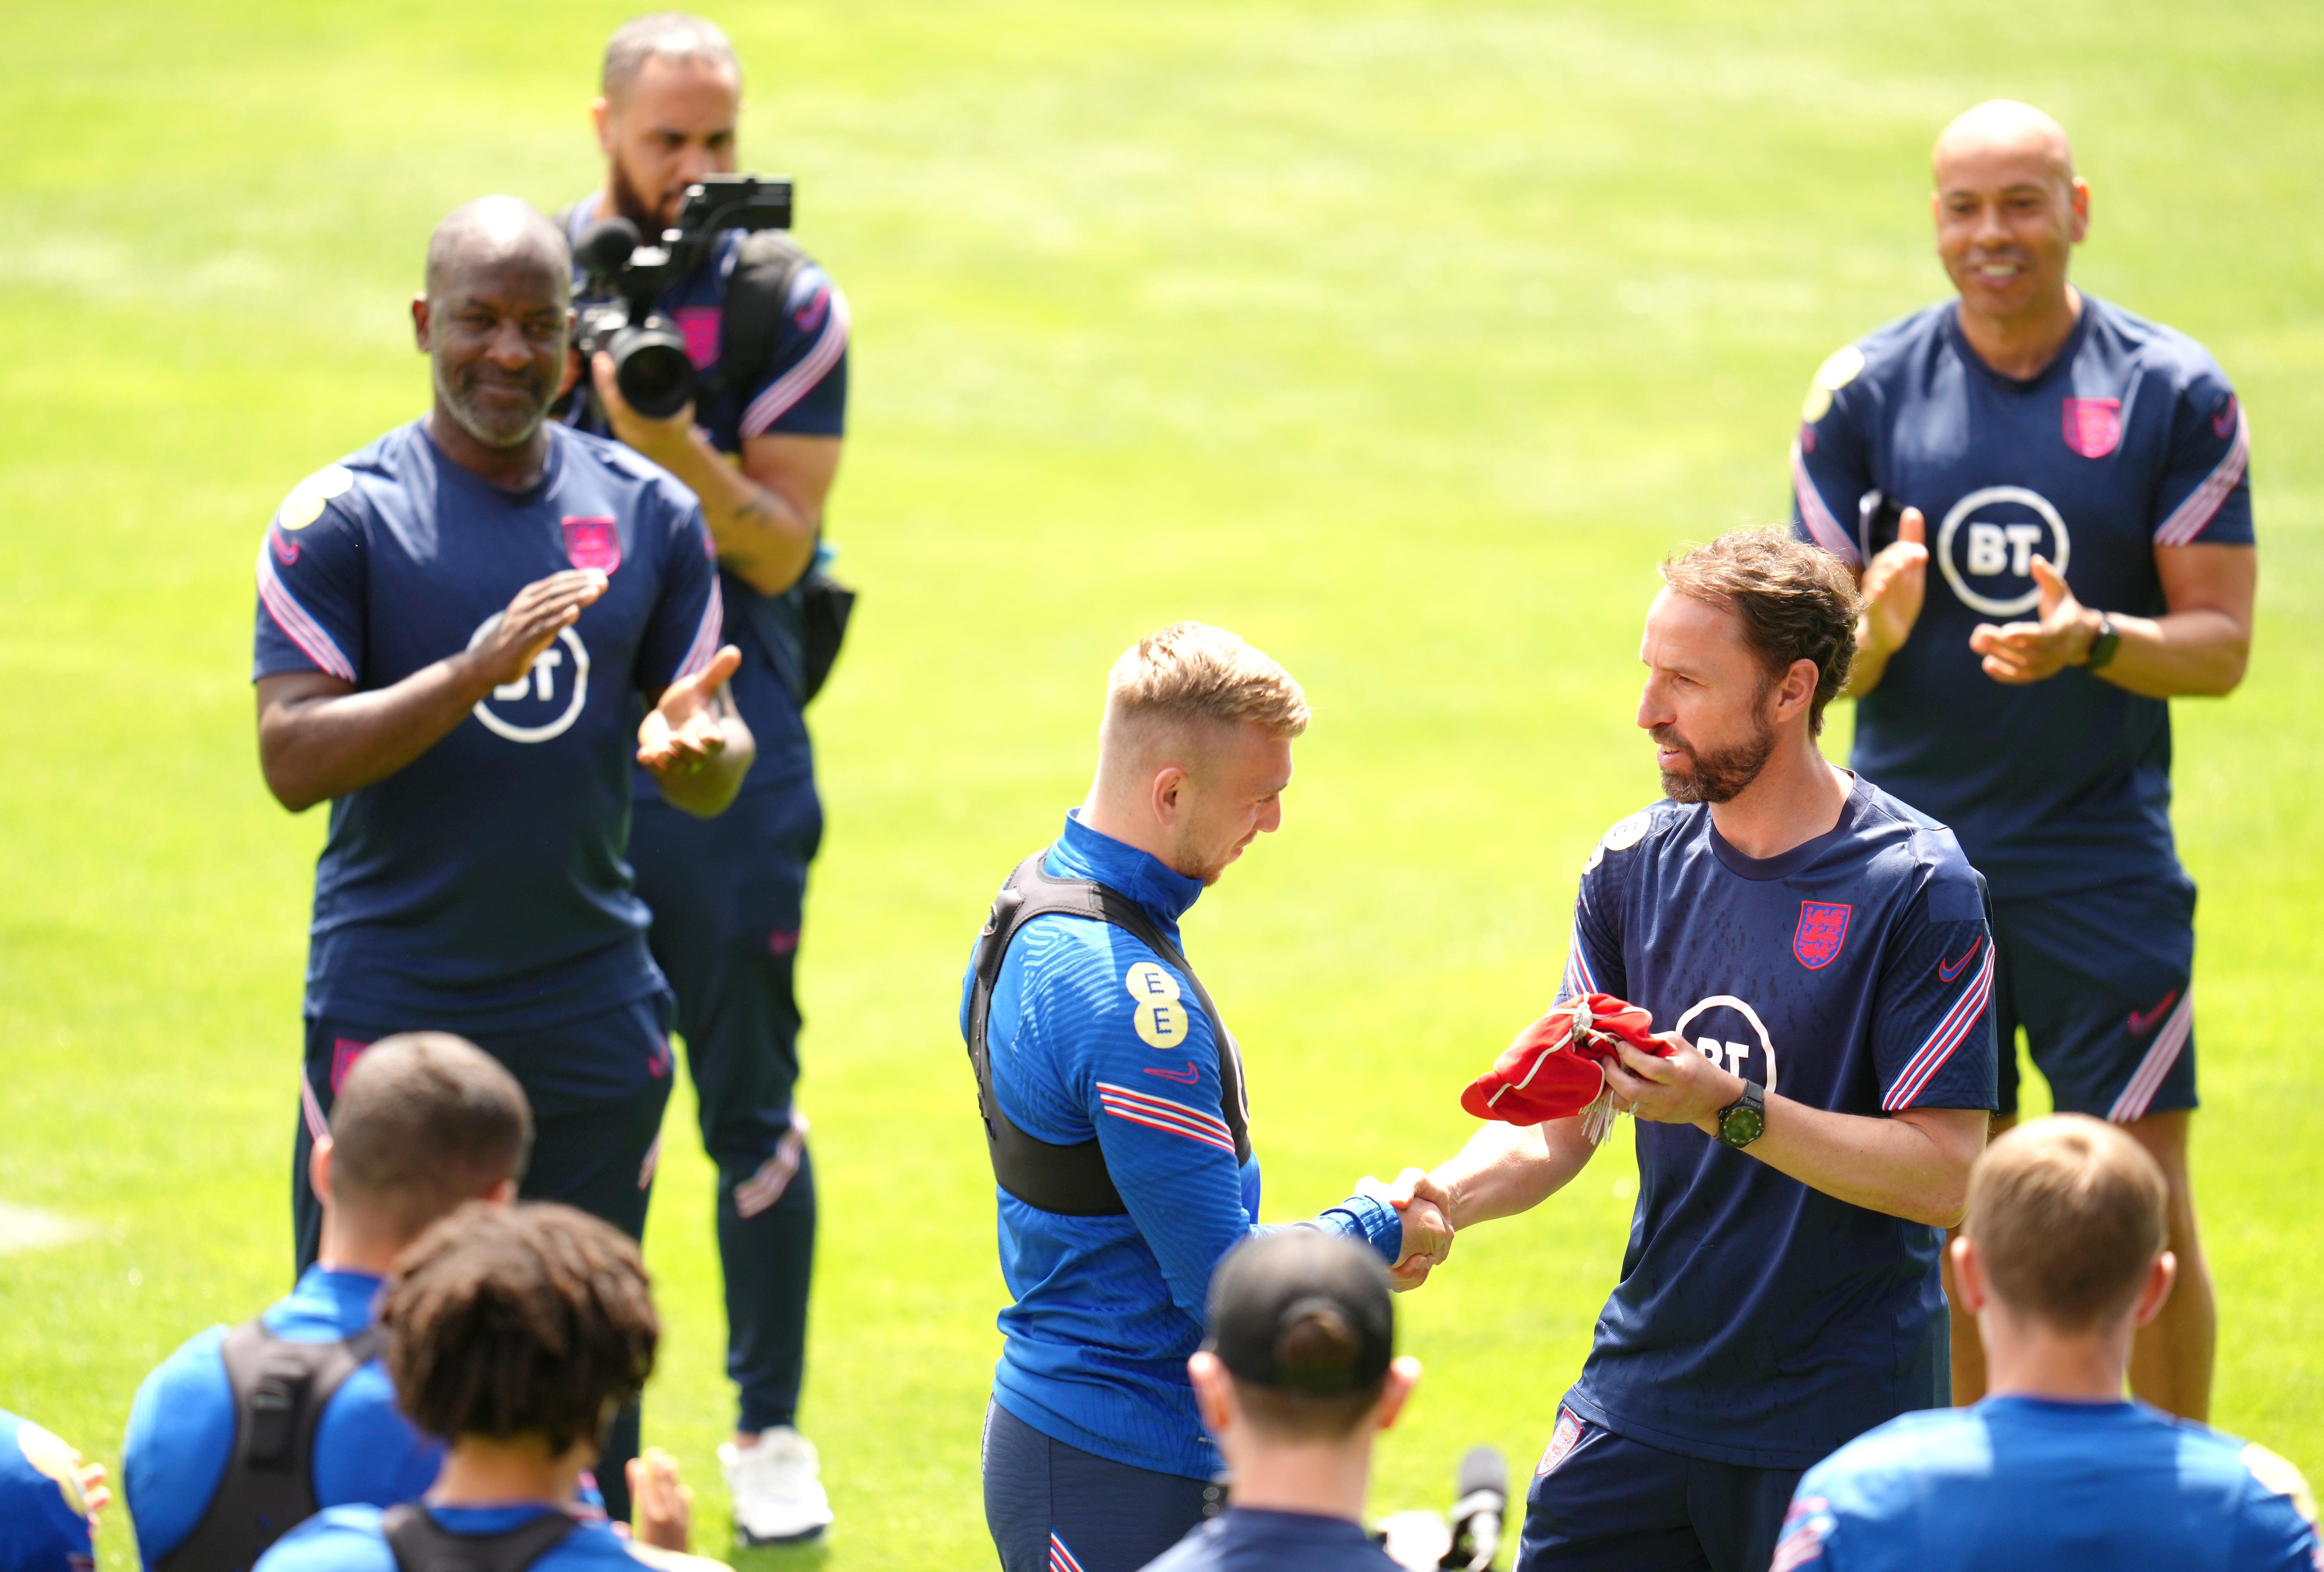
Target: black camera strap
x,y
422,1544
1072,1180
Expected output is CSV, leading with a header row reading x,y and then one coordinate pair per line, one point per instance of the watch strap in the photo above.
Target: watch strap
x,y
2103,644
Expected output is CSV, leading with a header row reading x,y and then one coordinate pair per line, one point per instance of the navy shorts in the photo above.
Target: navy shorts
x,y
1602,1503
2101,979
1052,1506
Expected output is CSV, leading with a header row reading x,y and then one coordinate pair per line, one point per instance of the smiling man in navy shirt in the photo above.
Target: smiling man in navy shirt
x,y
454,625
1819,951
2086,472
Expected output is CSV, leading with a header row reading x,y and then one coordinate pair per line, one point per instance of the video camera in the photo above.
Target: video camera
x,y
650,365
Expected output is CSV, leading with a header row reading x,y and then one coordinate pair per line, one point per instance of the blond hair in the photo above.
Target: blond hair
x,y
2067,1215
1192,671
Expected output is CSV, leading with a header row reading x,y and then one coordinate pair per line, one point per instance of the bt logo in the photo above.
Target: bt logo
x,y
1996,533
1738,1058
528,710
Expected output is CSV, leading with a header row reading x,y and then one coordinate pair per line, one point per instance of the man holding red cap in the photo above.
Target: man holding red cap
x,y
1815,957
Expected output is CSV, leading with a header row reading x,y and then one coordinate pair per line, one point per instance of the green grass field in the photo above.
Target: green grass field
x,y
1402,339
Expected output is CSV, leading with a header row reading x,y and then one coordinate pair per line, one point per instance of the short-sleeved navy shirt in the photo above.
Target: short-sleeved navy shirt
x,y
482,886
2130,439
1759,1322
1250,1539
801,392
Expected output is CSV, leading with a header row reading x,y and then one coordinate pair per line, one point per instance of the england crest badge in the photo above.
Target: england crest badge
x,y
1823,930
593,543
2093,426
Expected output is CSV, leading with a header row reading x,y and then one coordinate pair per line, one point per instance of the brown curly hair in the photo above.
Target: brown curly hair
x,y
1796,602
526,1320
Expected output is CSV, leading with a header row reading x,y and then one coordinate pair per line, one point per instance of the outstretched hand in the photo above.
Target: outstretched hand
x,y
1425,1210
682,732
2018,653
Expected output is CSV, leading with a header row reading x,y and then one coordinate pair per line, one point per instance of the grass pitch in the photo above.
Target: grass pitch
x,y
1402,339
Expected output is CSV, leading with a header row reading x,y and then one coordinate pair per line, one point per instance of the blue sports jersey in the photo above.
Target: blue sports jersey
x,y
1759,1322
801,392
348,1538
43,1520
180,1432
1247,1540
1107,1309
2130,439
2034,1484
481,886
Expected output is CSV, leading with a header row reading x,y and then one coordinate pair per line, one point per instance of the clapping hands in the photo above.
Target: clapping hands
x,y
1425,1210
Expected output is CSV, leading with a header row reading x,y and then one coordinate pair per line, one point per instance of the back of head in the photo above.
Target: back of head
x,y
1794,600
670,35
1303,1321
423,1122
1191,674
506,1322
2067,1214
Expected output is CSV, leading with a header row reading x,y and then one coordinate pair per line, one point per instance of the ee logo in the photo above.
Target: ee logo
x,y
1157,1016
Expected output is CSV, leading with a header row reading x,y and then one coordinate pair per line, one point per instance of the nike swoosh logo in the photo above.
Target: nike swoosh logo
x,y
1949,970
2142,1022
1186,1077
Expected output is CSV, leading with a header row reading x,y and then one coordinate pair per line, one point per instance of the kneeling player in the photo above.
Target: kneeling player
x,y
2060,1261
1797,927
519,1332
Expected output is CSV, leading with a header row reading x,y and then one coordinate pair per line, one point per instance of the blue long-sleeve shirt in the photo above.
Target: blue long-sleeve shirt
x,y
1092,1033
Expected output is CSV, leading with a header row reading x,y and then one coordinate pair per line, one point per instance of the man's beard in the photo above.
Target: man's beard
x,y
631,203
496,429
1723,774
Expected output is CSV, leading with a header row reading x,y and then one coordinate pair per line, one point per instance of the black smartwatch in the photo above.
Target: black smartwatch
x,y
1744,1120
2103,644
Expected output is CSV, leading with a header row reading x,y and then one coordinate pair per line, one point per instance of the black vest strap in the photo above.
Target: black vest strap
x,y
281,1389
1072,1180
422,1544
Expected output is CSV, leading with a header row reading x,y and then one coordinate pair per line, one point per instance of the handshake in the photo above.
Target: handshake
x,y
1426,1209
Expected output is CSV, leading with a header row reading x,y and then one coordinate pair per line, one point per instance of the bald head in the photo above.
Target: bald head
x,y
2005,129
490,231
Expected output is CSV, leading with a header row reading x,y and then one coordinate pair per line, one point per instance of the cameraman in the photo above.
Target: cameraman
x,y
759,446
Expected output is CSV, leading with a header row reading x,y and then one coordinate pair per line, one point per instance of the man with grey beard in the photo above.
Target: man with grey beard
x,y
432,610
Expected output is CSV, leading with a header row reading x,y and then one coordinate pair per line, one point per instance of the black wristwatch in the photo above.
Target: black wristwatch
x,y
1744,1120
2103,644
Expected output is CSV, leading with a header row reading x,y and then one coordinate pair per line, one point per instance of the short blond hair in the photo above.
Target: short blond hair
x,y
1192,671
2067,1214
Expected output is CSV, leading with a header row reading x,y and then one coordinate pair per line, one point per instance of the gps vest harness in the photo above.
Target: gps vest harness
x,y
1072,1180
422,1544
281,1389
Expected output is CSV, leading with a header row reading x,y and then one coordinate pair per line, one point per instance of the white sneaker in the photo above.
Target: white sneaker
x,y
778,1496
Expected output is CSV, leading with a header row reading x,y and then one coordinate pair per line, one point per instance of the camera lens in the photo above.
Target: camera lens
x,y
651,368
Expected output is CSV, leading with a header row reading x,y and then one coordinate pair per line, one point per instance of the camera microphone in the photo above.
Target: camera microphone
x,y
605,246
1483,1500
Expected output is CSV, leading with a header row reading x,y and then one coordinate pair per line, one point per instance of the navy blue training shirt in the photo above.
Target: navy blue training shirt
x,y
2038,1485
1093,1034
1248,1540
482,886
1758,1321
180,1432
801,392
2130,439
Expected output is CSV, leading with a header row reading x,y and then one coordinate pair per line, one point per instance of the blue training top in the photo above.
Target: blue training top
x,y
181,1433
1759,1322
1107,1309
800,392
481,886
2129,440
2036,1484
43,1520
1246,1539
348,1538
